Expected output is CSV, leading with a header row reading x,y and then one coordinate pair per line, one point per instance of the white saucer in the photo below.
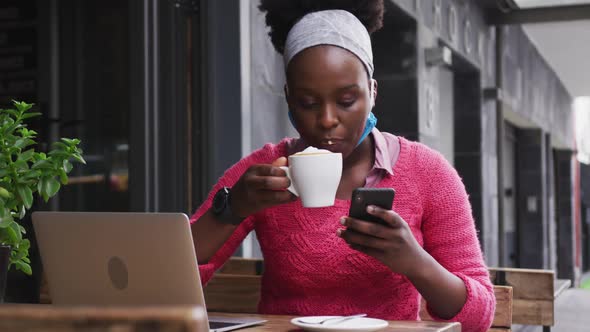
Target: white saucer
x,y
360,324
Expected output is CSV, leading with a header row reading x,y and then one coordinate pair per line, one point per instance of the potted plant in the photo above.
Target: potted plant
x,y
25,173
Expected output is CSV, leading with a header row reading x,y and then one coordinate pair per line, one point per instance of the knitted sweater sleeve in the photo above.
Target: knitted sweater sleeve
x,y
450,237
265,155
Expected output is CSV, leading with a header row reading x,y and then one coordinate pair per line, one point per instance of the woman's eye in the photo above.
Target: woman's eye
x,y
307,104
347,103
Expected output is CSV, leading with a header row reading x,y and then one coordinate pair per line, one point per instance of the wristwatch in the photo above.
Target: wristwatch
x,y
222,207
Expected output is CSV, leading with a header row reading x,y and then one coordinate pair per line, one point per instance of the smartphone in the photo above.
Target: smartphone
x,y
363,197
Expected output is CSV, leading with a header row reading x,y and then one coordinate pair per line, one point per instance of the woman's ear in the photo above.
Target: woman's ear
x,y
373,92
286,90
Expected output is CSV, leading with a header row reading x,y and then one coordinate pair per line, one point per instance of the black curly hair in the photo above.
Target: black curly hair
x,y
281,15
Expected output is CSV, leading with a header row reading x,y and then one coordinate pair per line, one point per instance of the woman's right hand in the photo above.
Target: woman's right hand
x,y
260,187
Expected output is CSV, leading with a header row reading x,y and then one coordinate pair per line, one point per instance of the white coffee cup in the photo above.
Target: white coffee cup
x,y
315,177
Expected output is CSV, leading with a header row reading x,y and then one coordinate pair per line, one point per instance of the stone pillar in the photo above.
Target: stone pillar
x,y
531,173
565,214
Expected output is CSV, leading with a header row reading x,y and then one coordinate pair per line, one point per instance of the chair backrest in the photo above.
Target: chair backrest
x,y
235,287
502,316
244,266
533,292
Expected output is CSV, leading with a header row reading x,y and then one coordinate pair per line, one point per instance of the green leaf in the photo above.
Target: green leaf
x,y
5,213
22,212
51,186
25,267
13,236
23,143
67,166
16,228
24,245
22,106
27,155
11,112
3,172
21,165
33,174
42,164
5,222
60,154
71,142
60,146
26,195
4,193
30,115
63,176
40,186
79,158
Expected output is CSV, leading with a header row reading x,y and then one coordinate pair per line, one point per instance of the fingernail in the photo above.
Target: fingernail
x,y
339,232
343,220
371,208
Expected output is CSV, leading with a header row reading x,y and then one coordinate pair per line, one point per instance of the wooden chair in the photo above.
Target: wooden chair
x,y
535,292
235,287
503,315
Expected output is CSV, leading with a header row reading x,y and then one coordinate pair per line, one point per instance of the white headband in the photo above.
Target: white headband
x,y
330,27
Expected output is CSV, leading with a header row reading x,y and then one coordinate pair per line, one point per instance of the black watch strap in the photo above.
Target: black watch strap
x,y
222,207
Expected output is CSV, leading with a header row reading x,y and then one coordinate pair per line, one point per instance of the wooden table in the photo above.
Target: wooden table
x,y
282,323
48,318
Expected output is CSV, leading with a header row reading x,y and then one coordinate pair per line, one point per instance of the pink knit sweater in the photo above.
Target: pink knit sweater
x,y
311,271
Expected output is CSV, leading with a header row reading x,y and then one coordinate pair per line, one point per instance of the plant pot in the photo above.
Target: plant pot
x,y
4,259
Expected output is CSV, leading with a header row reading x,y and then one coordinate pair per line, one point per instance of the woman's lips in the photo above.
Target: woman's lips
x,y
331,144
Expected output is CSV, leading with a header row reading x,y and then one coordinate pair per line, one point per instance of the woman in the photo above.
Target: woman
x,y
318,261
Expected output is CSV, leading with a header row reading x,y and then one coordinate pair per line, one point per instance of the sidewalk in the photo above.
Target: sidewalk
x,y
572,313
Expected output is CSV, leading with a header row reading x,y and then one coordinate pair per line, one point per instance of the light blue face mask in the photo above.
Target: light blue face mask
x,y
369,125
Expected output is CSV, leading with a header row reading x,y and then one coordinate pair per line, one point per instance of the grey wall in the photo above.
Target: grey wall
x,y
534,99
532,90
269,120
460,25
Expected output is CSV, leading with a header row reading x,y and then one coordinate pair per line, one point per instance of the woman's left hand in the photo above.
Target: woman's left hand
x,y
393,243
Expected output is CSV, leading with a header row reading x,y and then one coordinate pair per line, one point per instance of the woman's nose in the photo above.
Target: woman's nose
x,y
328,117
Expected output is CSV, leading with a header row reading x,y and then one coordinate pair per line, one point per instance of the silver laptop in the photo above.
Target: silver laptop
x,y
127,259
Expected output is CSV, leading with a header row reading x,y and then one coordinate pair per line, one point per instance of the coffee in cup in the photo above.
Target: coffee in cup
x,y
315,176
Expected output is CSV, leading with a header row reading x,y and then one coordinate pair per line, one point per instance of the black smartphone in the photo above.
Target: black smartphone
x,y
363,197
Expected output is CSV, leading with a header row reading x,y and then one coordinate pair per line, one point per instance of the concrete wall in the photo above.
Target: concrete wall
x,y
533,92
534,100
270,122
460,26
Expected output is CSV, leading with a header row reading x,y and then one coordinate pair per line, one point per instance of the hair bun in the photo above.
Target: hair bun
x,y
281,15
